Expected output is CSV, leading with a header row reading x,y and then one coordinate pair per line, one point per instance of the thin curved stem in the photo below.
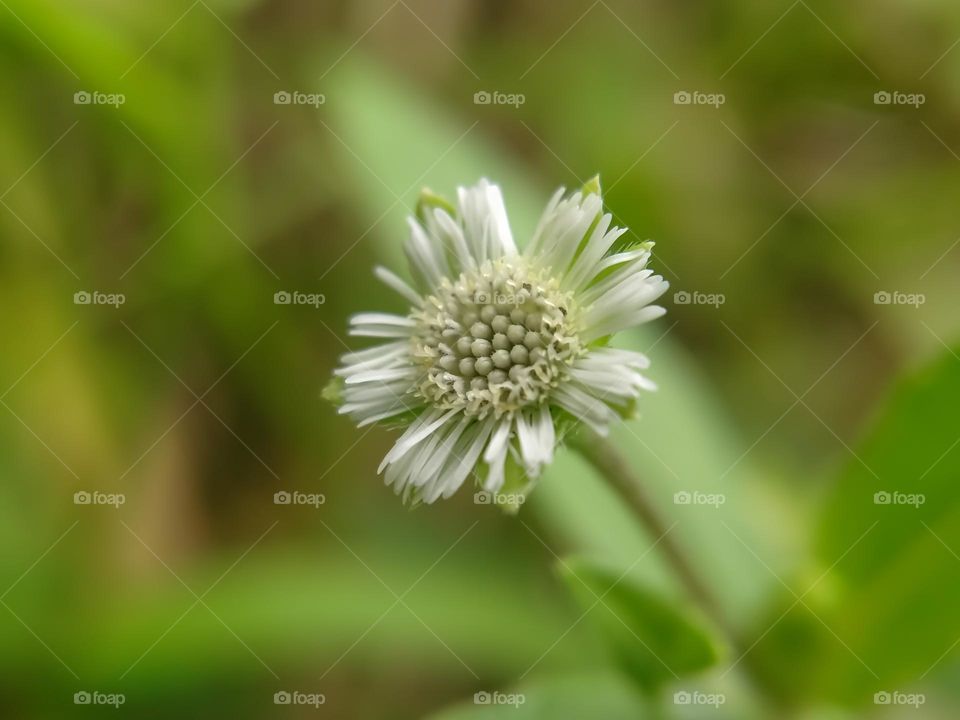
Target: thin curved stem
x,y
613,466
610,463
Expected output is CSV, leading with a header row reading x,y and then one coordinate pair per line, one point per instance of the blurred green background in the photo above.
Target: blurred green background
x,y
808,226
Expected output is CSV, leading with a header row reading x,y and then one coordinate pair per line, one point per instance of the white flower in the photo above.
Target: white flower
x,y
500,347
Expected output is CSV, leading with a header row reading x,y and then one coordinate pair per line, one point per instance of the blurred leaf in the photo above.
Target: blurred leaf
x,y
395,141
98,45
653,640
285,608
883,607
682,442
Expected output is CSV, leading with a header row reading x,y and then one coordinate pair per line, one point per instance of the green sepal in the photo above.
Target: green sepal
x,y
333,391
429,201
592,186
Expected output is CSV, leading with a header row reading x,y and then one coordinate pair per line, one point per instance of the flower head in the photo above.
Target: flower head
x,y
500,347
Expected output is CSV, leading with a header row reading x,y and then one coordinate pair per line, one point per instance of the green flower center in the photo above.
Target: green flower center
x,y
495,340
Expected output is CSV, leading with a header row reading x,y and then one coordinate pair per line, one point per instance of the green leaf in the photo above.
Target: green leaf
x,y
681,442
373,109
332,596
883,611
654,641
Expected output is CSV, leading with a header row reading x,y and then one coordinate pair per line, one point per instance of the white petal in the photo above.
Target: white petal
x,y
501,236
537,439
395,410
468,461
376,391
584,407
409,440
486,227
388,355
381,319
452,234
619,259
601,357
425,255
498,442
442,454
394,282
563,237
386,402
623,305
377,351
548,217
382,375
585,266
380,325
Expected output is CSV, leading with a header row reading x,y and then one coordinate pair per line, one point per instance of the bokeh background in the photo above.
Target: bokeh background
x,y
808,226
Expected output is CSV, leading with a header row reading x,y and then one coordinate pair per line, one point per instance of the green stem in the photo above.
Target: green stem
x,y
610,463
613,466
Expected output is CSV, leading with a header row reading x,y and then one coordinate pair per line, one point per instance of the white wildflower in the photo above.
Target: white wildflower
x,y
500,346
